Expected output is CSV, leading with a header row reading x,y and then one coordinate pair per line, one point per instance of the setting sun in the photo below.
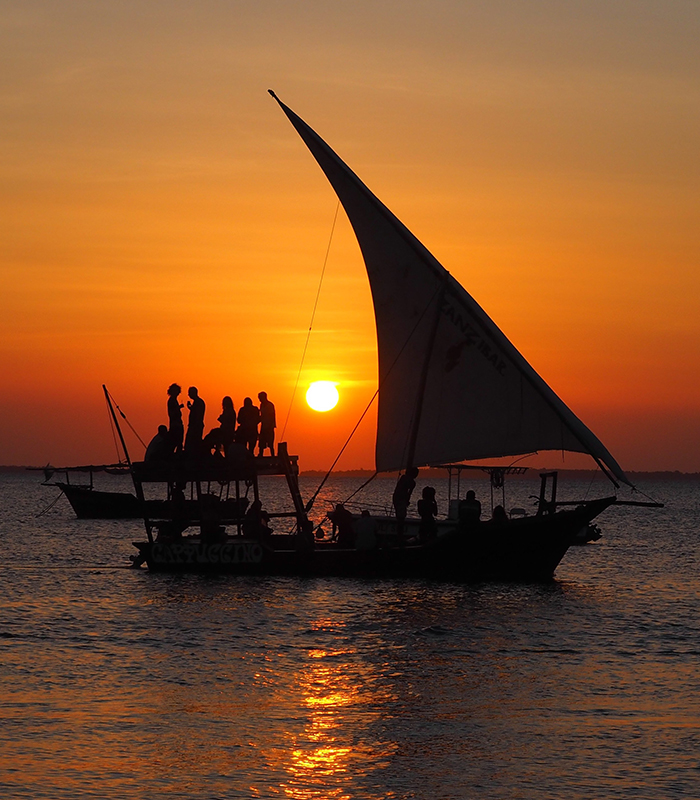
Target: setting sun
x,y
322,395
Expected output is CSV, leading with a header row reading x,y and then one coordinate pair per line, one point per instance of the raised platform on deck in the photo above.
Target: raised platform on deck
x,y
223,470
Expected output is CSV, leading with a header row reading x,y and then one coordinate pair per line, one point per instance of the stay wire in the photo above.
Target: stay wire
x,y
114,433
313,316
50,506
309,505
124,417
360,488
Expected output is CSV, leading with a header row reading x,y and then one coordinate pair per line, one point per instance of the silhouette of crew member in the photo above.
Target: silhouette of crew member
x,y
469,511
223,435
161,445
342,521
267,425
402,496
195,422
248,419
256,522
176,428
499,515
427,511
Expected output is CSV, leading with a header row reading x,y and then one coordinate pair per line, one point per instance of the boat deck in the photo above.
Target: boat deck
x,y
236,467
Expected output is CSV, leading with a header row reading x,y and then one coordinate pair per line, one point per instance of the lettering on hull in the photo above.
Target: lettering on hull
x,y
207,554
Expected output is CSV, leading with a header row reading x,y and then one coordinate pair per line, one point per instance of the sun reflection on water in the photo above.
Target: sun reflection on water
x,y
335,742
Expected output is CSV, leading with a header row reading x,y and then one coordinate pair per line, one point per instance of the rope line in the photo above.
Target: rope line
x,y
124,417
360,488
49,506
313,316
382,381
309,505
114,433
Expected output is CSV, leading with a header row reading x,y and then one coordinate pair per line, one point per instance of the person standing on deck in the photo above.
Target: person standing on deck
x,y
227,420
402,496
248,419
427,511
267,425
195,423
469,511
176,430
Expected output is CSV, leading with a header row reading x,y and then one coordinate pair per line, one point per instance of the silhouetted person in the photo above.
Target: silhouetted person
x,y
248,419
176,429
469,511
227,421
427,511
161,445
342,521
223,435
195,423
499,515
255,522
267,425
402,496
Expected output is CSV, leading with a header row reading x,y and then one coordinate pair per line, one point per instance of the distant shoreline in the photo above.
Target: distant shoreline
x,y
475,474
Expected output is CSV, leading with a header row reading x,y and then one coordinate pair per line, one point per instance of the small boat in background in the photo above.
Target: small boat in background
x,y
88,502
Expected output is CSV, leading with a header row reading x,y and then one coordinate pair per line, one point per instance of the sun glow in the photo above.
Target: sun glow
x,y
322,395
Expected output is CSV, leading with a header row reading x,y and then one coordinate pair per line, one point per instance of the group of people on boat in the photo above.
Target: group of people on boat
x,y
469,509
252,425
350,531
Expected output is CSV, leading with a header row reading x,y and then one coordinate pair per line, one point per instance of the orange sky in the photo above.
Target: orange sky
x,y
161,220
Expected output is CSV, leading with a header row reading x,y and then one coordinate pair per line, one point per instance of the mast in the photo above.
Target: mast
x,y
420,394
138,488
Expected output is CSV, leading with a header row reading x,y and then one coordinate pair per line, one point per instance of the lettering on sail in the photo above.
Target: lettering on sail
x,y
472,338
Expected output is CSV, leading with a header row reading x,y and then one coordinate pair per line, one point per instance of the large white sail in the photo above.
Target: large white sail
x,y
452,386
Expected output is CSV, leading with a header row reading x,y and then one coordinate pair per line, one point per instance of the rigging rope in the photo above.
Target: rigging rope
x,y
114,433
644,494
360,488
124,417
49,506
313,315
309,505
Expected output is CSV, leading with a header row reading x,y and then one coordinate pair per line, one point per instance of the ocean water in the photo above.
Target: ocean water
x,y
116,683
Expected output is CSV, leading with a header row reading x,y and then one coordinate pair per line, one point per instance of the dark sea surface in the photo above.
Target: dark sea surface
x,y
117,683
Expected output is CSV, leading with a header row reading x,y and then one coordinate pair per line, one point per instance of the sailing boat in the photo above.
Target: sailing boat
x,y
452,388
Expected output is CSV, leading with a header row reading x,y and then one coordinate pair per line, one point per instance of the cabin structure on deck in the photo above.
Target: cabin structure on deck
x,y
212,493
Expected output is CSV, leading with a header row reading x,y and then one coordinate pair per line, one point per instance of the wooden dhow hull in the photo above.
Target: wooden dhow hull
x,y
522,549
90,503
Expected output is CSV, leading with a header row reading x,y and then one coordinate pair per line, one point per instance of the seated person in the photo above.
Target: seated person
x,y
255,522
342,521
499,515
223,436
161,445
